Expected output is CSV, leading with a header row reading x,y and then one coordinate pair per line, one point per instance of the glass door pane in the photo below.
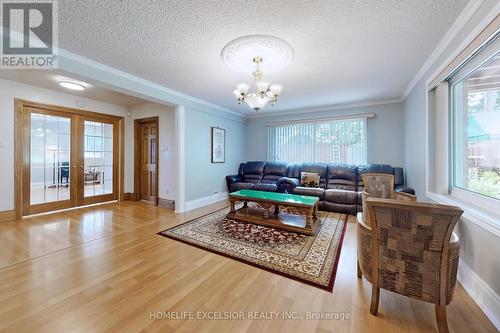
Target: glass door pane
x,y
50,150
98,164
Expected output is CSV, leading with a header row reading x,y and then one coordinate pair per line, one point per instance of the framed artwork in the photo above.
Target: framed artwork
x,y
218,145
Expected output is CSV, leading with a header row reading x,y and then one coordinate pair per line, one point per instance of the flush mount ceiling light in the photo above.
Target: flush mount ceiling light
x,y
257,53
72,85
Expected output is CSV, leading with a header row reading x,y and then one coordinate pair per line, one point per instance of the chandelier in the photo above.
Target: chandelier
x,y
262,91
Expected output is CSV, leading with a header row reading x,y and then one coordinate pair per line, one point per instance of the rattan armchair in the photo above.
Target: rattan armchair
x,y
410,248
380,185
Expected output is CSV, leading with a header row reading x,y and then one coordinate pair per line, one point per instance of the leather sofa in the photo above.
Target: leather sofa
x,y
340,185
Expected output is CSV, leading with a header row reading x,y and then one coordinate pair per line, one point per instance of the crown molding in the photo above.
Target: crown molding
x,y
323,108
462,19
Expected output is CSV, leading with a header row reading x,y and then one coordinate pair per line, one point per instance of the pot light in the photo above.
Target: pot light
x,y
72,85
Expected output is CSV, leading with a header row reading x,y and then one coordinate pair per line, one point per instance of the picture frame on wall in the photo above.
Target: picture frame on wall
x,y
218,145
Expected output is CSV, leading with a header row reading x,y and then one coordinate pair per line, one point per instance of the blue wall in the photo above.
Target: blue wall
x,y
202,176
385,132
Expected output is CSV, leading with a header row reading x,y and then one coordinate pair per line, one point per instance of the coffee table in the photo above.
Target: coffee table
x,y
285,211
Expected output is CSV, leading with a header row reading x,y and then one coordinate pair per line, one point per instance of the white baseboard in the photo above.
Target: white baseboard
x,y
481,293
205,201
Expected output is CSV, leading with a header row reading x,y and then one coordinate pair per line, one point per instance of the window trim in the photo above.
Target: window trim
x,y
462,195
485,32
477,215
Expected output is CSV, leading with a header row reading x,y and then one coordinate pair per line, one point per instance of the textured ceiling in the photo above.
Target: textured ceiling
x,y
345,50
49,79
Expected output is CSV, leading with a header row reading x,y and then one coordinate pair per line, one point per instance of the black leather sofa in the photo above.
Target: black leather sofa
x,y
340,184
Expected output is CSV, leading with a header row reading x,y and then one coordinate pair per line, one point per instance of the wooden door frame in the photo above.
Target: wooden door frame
x,y
137,156
21,162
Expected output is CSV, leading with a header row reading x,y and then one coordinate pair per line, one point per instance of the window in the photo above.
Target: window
x,y
476,130
331,141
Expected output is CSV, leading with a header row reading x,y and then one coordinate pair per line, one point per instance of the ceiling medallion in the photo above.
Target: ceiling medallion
x,y
264,53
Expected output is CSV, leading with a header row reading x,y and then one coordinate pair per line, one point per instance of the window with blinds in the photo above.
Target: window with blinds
x,y
330,141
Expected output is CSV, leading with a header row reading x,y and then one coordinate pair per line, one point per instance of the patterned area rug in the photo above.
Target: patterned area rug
x,y
309,259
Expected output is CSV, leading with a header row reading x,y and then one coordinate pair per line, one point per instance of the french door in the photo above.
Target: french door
x,y
68,158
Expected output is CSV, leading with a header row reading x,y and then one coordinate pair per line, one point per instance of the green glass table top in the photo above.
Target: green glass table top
x,y
276,197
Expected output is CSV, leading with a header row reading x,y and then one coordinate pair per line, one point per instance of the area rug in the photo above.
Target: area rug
x,y
309,259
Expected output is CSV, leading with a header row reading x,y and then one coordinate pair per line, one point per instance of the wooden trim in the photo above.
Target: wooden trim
x,y
18,158
165,203
22,156
137,156
129,196
7,216
64,109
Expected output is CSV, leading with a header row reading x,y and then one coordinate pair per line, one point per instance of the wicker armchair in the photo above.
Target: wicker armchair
x,y
410,249
380,185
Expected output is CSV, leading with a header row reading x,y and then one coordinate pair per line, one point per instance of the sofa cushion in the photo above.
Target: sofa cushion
x,y
342,176
310,191
253,172
293,171
339,208
265,187
274,171
341,196
399,177
240,186
309,179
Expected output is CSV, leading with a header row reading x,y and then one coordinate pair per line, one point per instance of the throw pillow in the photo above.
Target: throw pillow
x,y
309,179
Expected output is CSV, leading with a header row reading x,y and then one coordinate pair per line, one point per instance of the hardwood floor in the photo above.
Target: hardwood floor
x,y
103,268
